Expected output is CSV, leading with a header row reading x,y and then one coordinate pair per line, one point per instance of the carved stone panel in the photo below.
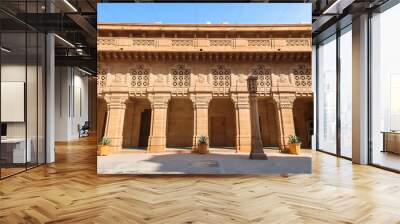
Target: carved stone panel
x,y
263,74
302,77
180,76
221,76
139,77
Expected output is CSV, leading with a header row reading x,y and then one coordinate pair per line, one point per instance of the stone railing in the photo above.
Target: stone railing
x,y
204,44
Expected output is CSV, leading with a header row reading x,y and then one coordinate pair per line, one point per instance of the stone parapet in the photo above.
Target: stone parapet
x,y
130,44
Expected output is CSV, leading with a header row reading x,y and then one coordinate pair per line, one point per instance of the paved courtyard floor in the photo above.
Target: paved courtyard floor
x,y
218,161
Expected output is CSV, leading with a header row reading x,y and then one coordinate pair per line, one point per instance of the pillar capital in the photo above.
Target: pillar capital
x,y
159,101
241,100
116,100
284,101
200,100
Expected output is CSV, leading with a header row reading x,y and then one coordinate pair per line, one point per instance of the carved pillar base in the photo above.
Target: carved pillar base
x,y
115,120
200,106
157,138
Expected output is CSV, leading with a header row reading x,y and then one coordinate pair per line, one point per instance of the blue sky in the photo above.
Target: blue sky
x,y
201,13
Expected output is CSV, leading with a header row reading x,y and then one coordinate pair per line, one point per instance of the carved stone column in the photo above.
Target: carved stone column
x,y
243,126
200,108
128,124
257,151
284,106
159,108
115,119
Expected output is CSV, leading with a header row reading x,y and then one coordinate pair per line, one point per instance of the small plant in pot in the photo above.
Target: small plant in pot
x,y
103,148
294,144
202,145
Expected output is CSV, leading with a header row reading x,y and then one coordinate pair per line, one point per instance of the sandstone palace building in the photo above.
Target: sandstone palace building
x,y
162,85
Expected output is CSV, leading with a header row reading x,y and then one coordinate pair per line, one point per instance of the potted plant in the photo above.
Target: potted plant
x,y
103,147
202,146
294,144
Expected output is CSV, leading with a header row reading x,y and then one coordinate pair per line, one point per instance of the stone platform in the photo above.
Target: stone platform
x,y
219,161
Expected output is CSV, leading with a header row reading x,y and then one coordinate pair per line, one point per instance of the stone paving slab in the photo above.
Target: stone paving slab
x,y
221,162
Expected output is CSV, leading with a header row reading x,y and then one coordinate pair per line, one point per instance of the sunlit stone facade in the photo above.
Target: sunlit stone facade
x,y
163,86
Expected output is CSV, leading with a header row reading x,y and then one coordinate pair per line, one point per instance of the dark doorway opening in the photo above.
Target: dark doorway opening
x,y
145,121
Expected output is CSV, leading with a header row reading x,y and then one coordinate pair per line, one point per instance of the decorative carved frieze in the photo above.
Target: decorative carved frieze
x,y
259,43
221,43
105,41
182,43
143,42
182,80
298,42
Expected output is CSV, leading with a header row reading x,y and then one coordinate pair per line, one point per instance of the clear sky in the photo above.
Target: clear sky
x,y
201,13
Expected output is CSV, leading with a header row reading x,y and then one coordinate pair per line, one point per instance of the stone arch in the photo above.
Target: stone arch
x,y
180,122
267,112
136,123
303,119
222,122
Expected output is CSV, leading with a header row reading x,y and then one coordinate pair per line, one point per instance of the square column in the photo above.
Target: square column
x,y
115,120
284,106
243,122
158,130
200,108
360,104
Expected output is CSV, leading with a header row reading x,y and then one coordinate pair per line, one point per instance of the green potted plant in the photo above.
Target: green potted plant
x,y
294,143
103,148
202,145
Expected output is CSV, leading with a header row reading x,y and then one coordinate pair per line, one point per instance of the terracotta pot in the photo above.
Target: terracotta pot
x,y
103,150
202,148
294,148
